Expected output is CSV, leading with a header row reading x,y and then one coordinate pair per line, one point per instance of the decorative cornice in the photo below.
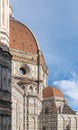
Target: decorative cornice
x,y
28,58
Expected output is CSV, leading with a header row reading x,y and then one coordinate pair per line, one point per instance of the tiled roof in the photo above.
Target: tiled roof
x,y
52,92
21,38
68,110
25,81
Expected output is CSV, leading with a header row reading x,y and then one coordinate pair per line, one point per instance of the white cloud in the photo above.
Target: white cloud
x,y
70,90
69,87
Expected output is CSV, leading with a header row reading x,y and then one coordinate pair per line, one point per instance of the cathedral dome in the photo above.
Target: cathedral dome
x,y
24,46
52,92
21,38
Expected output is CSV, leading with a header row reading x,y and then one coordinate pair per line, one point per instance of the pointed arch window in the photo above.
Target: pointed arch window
x,y
44,128
59,109
68,127
46,111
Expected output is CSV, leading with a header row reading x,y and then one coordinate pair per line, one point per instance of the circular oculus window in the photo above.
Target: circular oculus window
x,y
23,69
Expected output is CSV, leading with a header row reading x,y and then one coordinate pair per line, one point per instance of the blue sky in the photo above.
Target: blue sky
x,y
55,25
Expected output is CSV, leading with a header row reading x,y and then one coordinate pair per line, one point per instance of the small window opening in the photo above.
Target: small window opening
x,y
46,111
44,128
22,71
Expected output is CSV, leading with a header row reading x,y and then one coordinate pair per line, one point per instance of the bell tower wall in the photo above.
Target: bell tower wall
x,y
4,24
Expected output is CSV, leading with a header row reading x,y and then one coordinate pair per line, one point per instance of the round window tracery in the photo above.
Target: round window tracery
x,y
23,69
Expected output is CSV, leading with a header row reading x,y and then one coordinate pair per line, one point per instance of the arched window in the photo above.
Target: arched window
x,y
68,127
31,89
59,109
36,89
46,111
44,128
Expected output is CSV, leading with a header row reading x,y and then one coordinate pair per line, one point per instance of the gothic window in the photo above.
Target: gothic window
x,y
68,127
59,109
31,89
36,89
9,127
44,128
46,111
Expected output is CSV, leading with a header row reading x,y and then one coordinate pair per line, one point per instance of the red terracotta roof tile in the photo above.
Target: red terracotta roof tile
x,y
21,38
52,92
25,81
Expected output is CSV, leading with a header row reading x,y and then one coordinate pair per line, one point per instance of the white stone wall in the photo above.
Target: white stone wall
x,y
66,121
33,109
25,108
17,108
56,121
4,22
32,73
32,99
